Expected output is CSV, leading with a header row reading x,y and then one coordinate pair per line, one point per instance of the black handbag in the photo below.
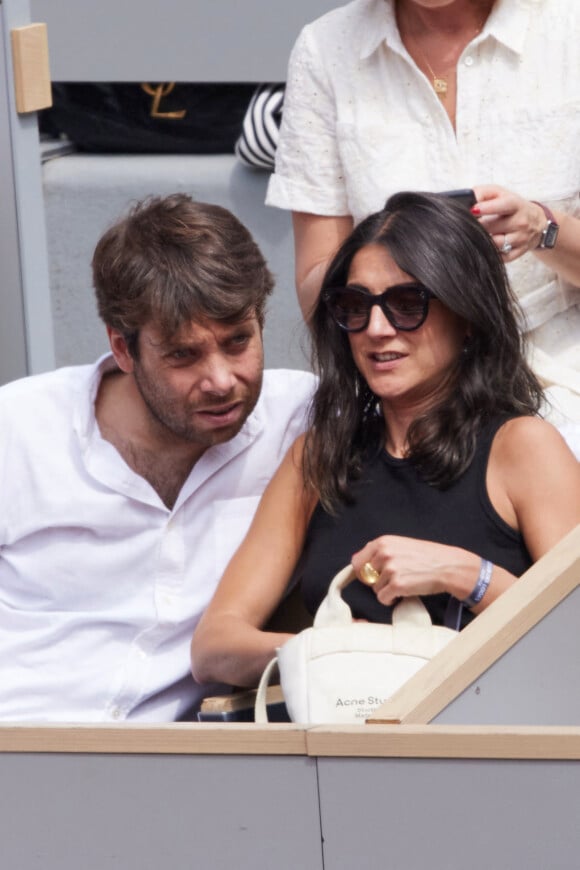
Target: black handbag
x,y
149,118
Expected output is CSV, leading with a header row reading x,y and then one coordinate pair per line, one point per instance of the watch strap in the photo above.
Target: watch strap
x,y
550,231
547,211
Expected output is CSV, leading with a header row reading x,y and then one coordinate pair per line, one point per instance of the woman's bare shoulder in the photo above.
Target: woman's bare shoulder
x,y
534,479
531,458
521,438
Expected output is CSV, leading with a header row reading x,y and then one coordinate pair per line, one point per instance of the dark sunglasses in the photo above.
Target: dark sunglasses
x,y
404,305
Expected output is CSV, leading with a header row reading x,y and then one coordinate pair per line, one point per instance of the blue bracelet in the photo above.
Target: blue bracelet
x,y
480,588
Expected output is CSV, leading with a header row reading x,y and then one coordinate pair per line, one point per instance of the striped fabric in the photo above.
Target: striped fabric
x,y
256,146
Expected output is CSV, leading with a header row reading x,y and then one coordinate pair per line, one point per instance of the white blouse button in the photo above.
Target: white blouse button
x,y
468,60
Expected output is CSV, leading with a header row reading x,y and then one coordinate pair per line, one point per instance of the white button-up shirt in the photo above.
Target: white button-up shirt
x,y
101,585
361,121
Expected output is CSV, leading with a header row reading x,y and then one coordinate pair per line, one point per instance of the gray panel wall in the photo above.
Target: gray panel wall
x,y
449,814
27,338
177,40
12,333
100,812
534,683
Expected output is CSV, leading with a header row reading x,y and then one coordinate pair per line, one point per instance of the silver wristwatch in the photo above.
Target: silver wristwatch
x,y
550,231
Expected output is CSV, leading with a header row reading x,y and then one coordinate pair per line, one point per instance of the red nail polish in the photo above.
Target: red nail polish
x,y
475,210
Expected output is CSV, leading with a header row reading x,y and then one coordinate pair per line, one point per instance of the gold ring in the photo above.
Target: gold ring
x,y
369,574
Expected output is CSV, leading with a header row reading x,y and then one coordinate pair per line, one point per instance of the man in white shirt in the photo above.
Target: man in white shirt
x,y
126,486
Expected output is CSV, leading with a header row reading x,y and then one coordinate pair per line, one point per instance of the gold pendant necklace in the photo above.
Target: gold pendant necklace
x,y
440,83
440,86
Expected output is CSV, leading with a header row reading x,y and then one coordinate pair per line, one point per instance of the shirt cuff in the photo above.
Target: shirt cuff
x,y
284,193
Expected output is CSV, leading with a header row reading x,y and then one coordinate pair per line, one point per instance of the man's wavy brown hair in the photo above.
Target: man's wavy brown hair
x,y
172,261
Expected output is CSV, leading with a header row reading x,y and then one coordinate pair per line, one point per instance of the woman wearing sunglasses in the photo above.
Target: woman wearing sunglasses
x,y
426,464
389,95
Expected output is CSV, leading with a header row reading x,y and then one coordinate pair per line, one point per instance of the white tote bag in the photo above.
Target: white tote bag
x,y
340,671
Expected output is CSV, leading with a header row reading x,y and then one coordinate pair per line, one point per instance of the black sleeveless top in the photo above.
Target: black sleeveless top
x,y
390,498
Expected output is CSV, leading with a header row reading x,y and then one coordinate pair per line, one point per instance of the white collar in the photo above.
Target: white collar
x,y
507,23
105,463
84,413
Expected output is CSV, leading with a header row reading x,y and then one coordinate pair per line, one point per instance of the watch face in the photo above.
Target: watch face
x,y
549,235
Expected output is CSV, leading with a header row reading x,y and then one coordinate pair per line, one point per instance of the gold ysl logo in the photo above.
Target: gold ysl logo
x,y
158,93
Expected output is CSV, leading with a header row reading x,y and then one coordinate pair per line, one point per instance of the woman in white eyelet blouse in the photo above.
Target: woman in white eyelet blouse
x,y
361,120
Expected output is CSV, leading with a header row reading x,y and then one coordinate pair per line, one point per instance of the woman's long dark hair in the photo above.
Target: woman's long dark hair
x,y
440,244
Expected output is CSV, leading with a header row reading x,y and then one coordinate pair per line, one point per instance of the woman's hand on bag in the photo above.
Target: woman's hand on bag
x,y
397,567
514,223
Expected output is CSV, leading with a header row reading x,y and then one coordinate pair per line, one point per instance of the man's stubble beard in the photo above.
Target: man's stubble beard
x,y
170,421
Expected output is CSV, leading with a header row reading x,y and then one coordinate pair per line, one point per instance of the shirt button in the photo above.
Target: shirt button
x,y
468,60
116,713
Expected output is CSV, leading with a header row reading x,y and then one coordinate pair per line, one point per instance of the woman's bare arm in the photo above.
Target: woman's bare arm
x,y
228,645
533,481
411,566
316,240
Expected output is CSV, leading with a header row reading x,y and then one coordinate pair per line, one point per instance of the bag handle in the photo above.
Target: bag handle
x,y
260,709
334,611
